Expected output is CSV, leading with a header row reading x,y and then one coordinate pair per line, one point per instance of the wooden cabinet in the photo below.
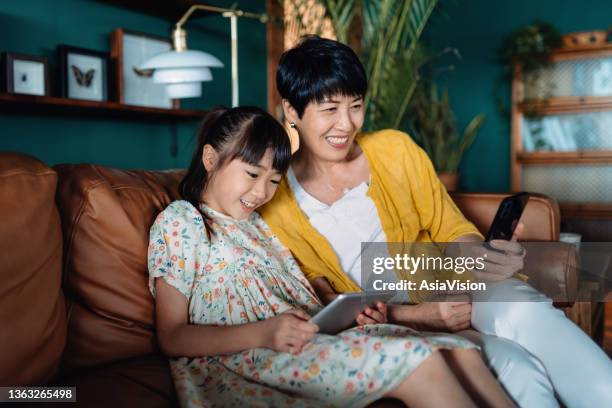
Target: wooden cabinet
x,y
562,147
562,136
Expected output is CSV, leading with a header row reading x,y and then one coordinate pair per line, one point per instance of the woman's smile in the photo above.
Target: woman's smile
x,y
338,142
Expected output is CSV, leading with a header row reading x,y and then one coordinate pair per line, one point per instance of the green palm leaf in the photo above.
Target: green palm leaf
x,y
389,50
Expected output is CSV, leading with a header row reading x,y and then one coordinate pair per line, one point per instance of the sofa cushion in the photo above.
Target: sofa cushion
x,y
106,215
32,308
138,382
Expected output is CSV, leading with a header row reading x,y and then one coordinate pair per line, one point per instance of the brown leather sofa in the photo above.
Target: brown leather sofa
x,y
74,303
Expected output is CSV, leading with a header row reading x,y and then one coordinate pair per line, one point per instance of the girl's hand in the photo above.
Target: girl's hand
x,y
373,316
288,332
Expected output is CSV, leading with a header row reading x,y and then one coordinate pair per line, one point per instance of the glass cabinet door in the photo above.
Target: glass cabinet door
x,y
570,183
581,77
568,132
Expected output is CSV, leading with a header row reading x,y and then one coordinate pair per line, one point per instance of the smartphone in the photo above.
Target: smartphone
x,y
507,217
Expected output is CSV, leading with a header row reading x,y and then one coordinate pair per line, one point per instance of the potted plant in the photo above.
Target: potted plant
x,y
529,48
434,128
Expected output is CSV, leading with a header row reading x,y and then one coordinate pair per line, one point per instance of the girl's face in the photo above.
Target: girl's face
x,y
328,129
238,188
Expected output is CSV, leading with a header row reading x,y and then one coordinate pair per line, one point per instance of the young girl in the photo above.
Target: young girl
x,y
233,307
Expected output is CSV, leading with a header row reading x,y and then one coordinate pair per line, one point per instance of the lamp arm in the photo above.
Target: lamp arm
x,y
179,36
240,13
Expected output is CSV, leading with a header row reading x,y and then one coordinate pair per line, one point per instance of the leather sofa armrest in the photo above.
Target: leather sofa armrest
x,y
554,268
542,218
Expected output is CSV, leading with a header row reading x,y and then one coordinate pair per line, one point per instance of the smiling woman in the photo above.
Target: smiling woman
x,y
328,111
328,149
398,198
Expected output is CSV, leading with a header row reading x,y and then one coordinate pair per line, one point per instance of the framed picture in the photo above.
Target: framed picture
x,y
83,73
25,74
129,50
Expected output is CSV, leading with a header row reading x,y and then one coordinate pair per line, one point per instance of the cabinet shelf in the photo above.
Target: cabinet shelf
x,y
49,104
583,157
567,105
586,210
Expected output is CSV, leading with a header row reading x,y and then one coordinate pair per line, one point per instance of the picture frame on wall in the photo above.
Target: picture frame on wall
x,y
25,74
129,49
83,73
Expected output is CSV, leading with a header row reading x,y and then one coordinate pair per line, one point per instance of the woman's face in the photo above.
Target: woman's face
x,y
238,188
328,129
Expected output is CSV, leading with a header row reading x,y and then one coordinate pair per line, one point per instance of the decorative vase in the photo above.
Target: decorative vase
x,y
449,180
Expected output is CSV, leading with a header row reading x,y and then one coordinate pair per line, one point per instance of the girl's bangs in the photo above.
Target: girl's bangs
x,y
262,134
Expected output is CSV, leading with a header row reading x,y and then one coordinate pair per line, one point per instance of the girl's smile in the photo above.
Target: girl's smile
x,y
238,188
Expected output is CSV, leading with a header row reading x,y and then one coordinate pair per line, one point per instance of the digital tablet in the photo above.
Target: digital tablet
x,y
340,314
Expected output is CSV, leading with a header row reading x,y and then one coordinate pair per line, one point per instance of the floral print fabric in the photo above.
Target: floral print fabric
x,y
243,274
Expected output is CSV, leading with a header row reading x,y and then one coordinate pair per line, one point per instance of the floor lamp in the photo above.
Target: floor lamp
x,y
182,71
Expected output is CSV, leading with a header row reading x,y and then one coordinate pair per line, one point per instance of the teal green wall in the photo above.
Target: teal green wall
x,y
37,26
476,28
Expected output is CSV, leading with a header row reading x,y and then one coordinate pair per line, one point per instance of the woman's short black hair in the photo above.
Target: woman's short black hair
x,y
318,68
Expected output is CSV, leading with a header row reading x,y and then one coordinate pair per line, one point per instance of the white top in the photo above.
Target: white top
x,y
346,223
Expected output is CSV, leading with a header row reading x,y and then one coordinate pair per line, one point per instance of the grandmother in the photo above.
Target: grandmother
x,y
344,188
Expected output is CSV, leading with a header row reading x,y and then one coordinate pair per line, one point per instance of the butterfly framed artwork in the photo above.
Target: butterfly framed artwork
x,y
25,74
129,49
83,73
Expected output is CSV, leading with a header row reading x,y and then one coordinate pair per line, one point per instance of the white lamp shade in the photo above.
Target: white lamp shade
x,y
184,90
181,59
178,75
182,71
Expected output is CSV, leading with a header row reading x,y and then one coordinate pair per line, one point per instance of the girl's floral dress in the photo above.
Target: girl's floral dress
x,y
243,274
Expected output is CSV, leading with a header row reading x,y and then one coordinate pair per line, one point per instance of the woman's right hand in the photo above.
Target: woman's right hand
x,y
434,316
446,316
288,332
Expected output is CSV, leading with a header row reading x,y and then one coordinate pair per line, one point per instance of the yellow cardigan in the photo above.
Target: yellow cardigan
x,y
412,204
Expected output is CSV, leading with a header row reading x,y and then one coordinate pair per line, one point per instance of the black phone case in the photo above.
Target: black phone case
x,y
507,217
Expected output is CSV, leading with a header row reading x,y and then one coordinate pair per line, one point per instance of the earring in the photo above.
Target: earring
x,y
294,136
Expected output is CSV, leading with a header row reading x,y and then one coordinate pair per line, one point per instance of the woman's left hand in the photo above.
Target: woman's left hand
x,y
373,315
502,258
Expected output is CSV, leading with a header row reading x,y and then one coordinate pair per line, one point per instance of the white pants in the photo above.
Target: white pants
x,y
543,343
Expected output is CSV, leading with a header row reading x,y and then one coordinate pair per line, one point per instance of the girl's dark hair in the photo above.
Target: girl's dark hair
x,y
318,68
243,133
